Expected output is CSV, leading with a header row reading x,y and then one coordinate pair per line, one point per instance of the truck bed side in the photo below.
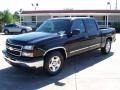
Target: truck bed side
x,y
107,33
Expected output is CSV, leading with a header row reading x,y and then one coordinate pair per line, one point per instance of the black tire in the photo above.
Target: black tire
x,y
6,32
24,31
53,59
106,49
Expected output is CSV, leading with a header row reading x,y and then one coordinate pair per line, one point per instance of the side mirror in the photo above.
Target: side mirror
x,y
75,32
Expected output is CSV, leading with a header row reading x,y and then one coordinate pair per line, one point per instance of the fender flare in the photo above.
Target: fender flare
x,y
55,48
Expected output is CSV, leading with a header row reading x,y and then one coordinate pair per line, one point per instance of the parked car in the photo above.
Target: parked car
x,y
14,28
56,40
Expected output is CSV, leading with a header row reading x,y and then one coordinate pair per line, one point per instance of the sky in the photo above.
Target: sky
x,y
15,5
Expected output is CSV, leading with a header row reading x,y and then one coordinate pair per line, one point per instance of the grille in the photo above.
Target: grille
x,y
16,53
14,49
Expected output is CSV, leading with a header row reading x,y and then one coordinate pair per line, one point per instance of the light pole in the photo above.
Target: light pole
x,y
108,3
116,5
20,12
35,5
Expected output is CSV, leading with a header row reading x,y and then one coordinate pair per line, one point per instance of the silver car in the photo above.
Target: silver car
x,y
14,28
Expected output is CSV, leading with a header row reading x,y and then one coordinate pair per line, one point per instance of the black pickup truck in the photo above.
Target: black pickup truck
x,y
56,40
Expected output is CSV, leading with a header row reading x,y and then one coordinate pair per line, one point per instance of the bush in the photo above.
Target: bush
x,y
0,28
116,25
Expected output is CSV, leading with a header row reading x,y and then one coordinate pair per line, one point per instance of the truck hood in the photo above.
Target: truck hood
x,y
30,38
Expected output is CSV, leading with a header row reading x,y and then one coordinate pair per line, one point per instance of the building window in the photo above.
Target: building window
x,y
33,18
21,18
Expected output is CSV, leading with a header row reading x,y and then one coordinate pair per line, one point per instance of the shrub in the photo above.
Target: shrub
x,y
116,25
0,28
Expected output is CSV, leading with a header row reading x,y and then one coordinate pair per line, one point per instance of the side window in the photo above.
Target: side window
x,y
11,25
62,25
14,25
6,25
91,26
78,24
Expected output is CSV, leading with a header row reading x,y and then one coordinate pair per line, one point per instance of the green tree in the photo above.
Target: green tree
x,y
1,17
1,20
7,17
16,16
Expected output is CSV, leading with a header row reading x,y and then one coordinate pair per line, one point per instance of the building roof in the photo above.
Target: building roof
x,y
71,11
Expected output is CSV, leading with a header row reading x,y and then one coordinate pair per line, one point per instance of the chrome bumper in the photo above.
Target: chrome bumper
x,y
31,64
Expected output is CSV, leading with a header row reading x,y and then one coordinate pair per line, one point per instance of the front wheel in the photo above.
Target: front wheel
x,y
106,49
54,62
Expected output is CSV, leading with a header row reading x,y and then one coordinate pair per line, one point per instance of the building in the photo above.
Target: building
x,y
103,17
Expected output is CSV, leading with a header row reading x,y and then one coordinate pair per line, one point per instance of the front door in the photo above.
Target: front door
x,y
77,42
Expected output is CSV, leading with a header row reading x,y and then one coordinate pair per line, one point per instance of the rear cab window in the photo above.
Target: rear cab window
x,y
91,26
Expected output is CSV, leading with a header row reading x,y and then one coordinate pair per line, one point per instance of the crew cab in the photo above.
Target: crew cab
x,y
56,40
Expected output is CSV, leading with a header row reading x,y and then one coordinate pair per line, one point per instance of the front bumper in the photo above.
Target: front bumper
x,y
23,62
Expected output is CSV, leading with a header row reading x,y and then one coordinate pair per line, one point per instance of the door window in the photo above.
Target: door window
x,y
91,26
77,24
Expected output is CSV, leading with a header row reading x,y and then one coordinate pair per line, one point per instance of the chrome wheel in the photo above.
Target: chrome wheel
x,y
54,63
23,31
108,46
106,49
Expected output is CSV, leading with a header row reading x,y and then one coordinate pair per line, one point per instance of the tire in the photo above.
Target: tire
x,y
24,31
106,49
6,32
54,63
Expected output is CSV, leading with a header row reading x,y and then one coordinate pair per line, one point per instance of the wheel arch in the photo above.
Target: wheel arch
x,y
62,50
23,29
5,30
110,38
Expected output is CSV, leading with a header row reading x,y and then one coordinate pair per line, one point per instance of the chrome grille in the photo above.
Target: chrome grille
x,y
14,49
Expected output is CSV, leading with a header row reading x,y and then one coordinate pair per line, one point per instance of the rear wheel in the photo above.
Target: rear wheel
x,y
54,62
106,49
6,32
24,31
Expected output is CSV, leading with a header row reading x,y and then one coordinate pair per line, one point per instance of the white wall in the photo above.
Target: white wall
x,y
27,18
42,18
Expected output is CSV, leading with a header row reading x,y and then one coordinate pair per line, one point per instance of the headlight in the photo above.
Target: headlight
x,y
28,47
28,51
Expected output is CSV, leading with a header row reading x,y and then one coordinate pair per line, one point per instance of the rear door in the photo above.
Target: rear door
x,y
11,28
94,36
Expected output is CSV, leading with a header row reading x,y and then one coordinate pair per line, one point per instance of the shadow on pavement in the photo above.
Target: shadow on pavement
x,y
14,79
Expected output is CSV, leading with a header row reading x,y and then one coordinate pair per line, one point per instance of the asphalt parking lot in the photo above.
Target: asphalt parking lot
x,y
88,71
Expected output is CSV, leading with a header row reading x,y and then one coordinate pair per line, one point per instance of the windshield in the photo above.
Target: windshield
x,y
54,26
